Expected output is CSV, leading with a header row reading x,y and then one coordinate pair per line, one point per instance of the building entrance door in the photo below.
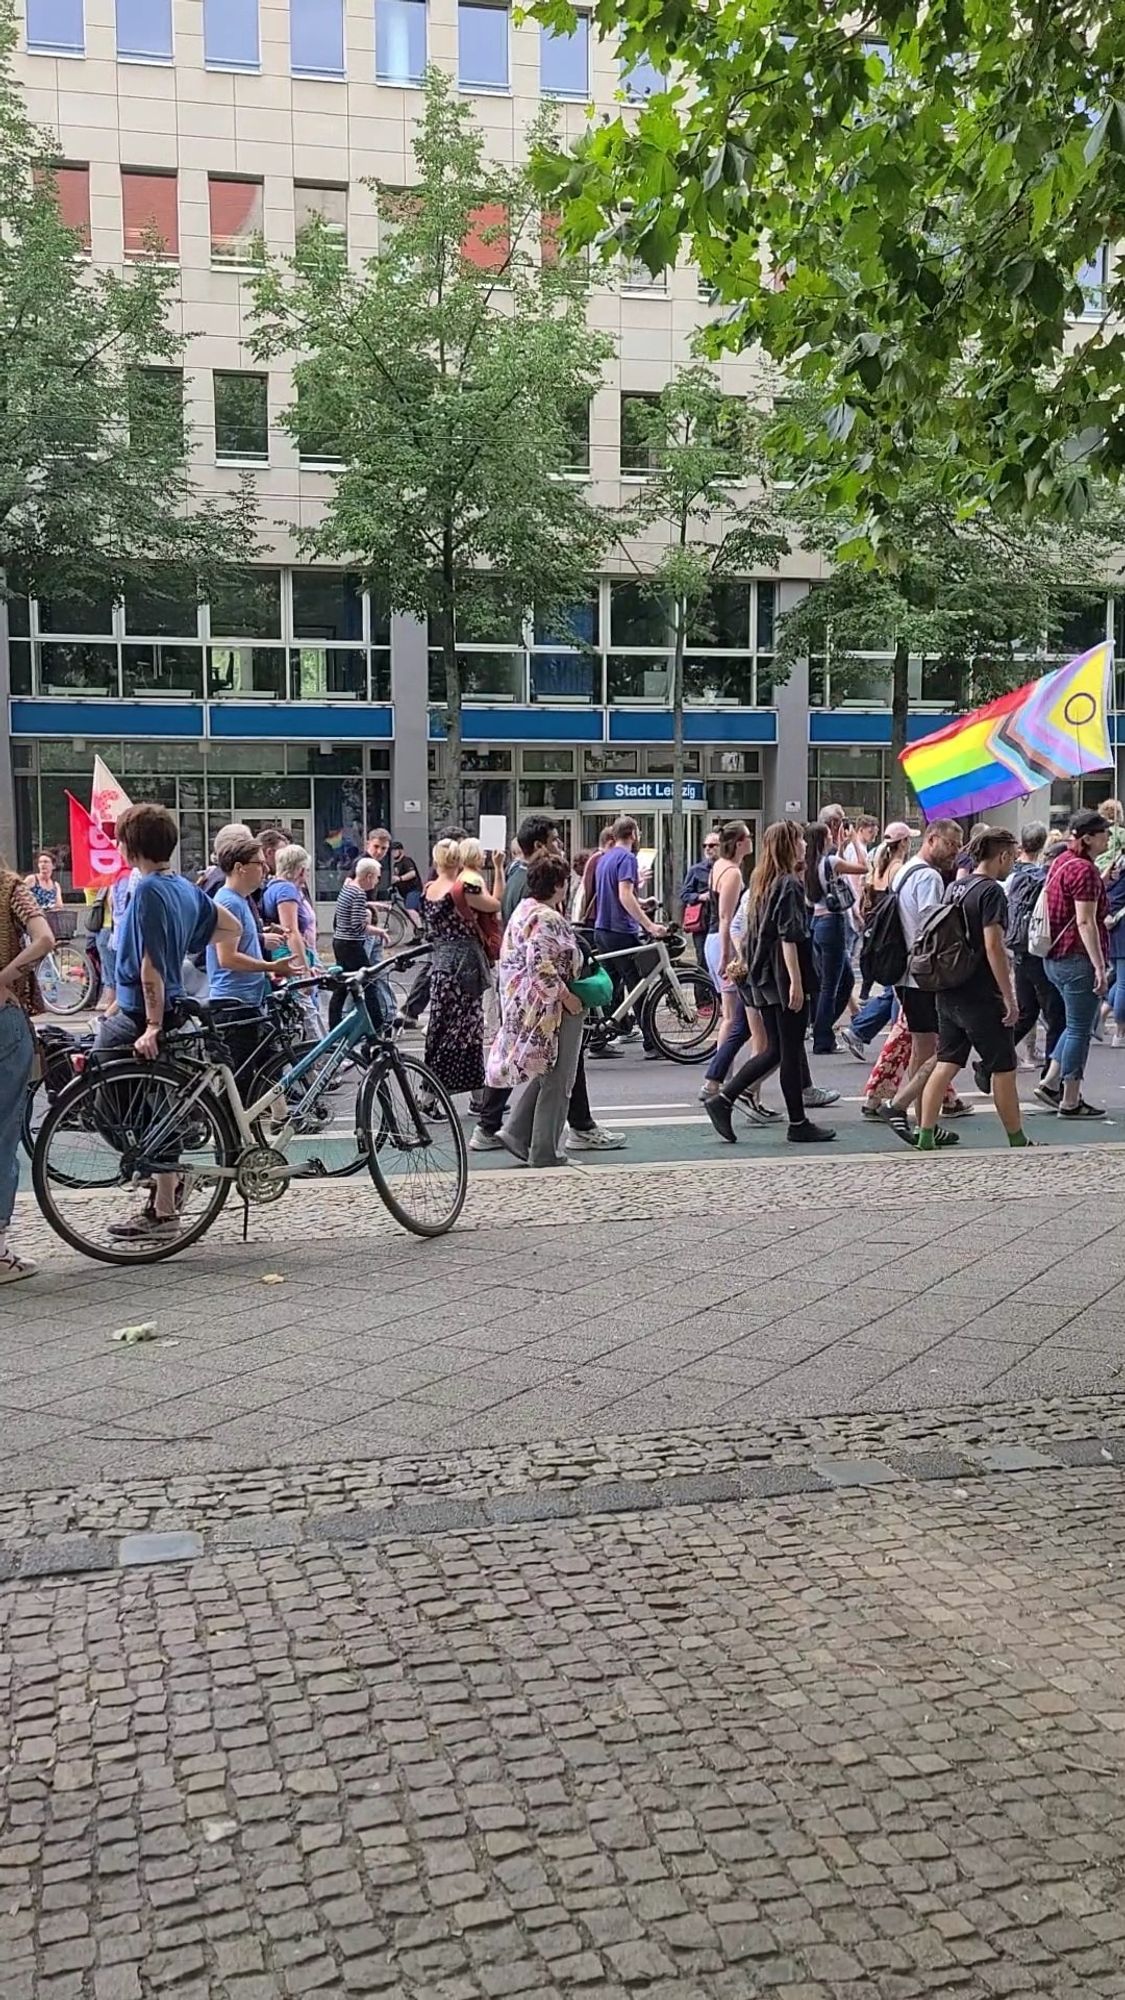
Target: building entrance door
x,y
297,824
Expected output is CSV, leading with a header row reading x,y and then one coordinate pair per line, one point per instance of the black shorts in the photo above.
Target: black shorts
x,y
919,1010
968,1021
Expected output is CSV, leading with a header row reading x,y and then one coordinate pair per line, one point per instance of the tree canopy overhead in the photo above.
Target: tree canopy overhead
x,y
907,207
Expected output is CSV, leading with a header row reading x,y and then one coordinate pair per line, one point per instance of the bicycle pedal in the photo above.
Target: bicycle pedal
x,y
310,1170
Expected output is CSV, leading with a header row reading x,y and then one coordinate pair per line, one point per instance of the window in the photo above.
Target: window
x,y
316,442
637,450
314,202
246,604
482,46
1091,276
230,34
564,61
56,27
577,419
150,213
636,277
488,246
327,604
640,80
71,189
236,221
400,41
144,30
637,617
242,427
316,37
156,410
165,608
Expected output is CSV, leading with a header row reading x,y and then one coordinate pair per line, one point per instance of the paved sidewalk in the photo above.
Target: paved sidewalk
x,y
854,1746
608,1301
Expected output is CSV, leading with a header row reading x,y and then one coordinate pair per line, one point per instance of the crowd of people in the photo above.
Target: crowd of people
x,y
955,950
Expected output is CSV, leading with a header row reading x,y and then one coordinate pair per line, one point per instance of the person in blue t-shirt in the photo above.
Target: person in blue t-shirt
x,y
619,920
238,974
167,920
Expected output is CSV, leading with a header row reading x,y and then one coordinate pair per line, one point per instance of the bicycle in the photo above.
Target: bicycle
x,y
70,977
679,1008
399,922
124,1121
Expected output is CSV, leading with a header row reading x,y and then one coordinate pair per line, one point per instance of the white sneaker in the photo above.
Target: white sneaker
x,y
484,1142
14,1268
597,1140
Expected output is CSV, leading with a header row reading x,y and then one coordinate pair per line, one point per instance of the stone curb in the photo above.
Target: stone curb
x,y
78,1555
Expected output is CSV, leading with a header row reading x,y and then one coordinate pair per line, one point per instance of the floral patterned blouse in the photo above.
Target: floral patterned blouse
x,y
538,959
17,915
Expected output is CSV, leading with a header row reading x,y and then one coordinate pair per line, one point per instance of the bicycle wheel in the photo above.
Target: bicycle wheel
x,y
684,1020
329,1129
396,922
65,979
103,1140
415,1146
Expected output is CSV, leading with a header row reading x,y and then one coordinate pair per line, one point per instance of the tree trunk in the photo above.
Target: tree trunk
x,y
679,860
900,710
447,792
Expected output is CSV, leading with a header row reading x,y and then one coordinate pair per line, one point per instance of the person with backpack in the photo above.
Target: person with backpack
x,y
918,890
1035,994
961,948
1073,904
887,863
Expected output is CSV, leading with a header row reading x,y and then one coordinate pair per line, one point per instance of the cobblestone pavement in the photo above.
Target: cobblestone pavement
x,y
604,1303
855,1746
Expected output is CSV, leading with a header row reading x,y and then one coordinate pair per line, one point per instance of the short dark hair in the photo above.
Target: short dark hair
x,y
626,829
232,849
534,831
271,838
988,842
1033,837
546,875
148,833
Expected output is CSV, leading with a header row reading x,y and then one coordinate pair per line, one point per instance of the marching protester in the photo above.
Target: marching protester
x,y
25,938
1035,995
1075,962
917,890
828,879
727,889
460,969
777,975
540,1036
979,1011
354,930
619,921
695,897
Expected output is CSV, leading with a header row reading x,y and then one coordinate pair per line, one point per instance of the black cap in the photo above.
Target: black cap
x,y
1087,821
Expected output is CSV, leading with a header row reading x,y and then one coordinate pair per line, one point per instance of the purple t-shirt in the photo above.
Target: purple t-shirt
x,y
617,865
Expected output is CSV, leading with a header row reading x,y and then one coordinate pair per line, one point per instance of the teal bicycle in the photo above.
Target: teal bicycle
x,y
123,1122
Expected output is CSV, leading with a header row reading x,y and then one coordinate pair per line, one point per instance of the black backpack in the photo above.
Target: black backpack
x,y
1021,902
944,955
882,951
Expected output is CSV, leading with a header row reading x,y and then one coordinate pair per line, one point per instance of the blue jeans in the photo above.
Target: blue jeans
x,y
1073,978
874,1014
735,1039
830,955
16,1052
1117,991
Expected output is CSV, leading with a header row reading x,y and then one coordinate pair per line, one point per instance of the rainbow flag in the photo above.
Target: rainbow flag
x,y
1056,727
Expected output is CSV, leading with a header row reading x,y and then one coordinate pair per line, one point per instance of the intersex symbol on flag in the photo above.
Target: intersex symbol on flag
x,y
109,800
95,860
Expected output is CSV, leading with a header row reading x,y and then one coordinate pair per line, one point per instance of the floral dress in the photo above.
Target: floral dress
x,y
458,977
539,958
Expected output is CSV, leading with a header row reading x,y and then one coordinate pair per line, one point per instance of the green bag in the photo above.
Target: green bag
x,y
594,989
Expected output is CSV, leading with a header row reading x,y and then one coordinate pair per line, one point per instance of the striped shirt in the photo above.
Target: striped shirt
x,y
350,920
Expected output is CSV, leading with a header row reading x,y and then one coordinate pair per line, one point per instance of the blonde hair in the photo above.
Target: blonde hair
x,y
471,854
289,861
447,856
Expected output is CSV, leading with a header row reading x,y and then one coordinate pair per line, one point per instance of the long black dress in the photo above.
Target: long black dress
x,y
455,1028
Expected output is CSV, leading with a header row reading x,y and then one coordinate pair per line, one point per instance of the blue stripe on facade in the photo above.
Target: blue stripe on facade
x,y
526,725
162,720
300,721
711,725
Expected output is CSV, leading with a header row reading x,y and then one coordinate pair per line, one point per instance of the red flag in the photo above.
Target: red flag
x,y
95,861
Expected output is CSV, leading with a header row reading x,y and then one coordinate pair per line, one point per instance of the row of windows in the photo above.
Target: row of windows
x,y
317,43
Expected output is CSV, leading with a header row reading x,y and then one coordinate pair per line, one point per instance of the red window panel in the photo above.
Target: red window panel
x,y
236,220
150,213
550,225
71,186
487,244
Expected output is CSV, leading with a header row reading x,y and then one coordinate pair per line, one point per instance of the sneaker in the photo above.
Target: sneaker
x,y
958,1109
147,1227
982,1079
651,1055
897,1121
14,1268
597,1140
709,1090
719,1112
853,1044
816,1097
484,1142
1049,1094
629,1035
808,1134
1081,1110
869,1110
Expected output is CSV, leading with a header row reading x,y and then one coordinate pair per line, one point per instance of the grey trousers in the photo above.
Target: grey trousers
x,y
535,1127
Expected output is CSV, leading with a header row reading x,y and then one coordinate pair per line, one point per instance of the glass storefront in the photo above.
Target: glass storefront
x,y
328,799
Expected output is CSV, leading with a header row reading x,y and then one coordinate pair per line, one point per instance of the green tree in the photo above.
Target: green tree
x,y
979,603
702,451
448,369
905,205
97,489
